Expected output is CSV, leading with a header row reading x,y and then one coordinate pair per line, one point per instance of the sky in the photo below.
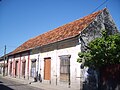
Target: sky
x,y
21,20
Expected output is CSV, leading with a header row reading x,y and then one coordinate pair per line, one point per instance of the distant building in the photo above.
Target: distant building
x,y
54,54
3,66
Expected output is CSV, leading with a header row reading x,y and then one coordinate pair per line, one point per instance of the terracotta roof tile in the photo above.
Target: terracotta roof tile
x,y
66,31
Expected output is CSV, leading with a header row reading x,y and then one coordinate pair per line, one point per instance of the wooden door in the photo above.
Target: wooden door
x,y
10,70
23,68
47,68
65,68
16,68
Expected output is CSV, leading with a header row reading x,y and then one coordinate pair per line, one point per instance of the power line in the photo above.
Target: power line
x,y
9,48
99,6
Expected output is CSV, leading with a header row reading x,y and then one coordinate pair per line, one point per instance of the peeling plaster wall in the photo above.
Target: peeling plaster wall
x,y
67,47
1,67
20,58
102,21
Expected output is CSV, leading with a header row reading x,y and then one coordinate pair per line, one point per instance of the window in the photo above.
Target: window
x,y
65,68
33,67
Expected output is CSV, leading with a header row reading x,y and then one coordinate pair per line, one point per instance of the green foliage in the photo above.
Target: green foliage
x,y
103,51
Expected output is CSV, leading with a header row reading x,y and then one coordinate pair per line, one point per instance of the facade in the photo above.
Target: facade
x,y
3,66
53,55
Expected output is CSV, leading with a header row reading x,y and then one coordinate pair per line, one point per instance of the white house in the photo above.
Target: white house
x,y
3,66
54,54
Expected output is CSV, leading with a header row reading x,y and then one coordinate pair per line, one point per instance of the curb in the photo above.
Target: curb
x,y
38,84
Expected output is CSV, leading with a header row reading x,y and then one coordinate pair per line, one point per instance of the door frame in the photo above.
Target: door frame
x,y
47,65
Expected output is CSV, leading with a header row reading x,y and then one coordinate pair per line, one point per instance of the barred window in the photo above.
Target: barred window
x,y
64,67
33,68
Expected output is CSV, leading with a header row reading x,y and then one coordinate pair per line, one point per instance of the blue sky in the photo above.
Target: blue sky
x,y
21,20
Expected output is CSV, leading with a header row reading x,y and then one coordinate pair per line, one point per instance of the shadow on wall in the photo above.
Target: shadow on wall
x,y
3,87
91,80
1,82
110,77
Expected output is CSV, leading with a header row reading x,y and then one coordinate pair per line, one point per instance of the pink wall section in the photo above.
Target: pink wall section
x,y
20,57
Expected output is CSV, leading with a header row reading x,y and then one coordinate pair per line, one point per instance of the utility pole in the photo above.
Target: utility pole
x,y
4,61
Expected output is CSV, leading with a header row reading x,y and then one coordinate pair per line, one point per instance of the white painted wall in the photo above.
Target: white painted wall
x,y
55,62
67,47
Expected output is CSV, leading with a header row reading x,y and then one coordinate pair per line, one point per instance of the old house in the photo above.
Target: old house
x,y
53,54
3,66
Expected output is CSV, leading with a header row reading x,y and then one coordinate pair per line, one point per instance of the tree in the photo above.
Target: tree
x,y
102,51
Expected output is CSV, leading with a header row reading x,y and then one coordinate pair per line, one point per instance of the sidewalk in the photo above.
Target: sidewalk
x,y
39,85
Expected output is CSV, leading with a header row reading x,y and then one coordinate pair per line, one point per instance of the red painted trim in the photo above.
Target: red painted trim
x,y
28,64
14,67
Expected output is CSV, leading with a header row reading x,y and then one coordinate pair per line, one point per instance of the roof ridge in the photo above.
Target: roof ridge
x,y
62,32
65,24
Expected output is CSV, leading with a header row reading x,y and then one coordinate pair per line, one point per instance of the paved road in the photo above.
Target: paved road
x,y
6,84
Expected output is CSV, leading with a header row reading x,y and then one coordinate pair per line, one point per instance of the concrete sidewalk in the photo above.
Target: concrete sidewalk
x,y
39,85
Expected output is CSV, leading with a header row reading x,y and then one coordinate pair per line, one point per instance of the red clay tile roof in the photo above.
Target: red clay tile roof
x,y
66,31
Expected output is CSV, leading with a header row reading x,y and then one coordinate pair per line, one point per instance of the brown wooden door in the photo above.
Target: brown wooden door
x,y
10,68
23,68
47,68
16,68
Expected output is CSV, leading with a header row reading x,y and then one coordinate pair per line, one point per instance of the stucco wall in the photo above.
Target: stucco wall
x,y
20,58
103,21
66,47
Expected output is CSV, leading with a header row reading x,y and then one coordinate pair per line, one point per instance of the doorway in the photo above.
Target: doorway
x,y
47,68
16,68
65,68
10,72
23,68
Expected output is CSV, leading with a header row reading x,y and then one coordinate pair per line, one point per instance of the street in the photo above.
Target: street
x,y
6,84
